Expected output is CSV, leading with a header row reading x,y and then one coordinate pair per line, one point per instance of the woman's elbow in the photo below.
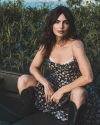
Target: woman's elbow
x,y
90,79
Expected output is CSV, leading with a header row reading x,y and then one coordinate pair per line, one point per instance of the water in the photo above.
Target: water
x,y
39,4
51,4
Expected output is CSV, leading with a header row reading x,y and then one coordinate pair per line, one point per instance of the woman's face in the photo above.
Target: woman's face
x,y
61,26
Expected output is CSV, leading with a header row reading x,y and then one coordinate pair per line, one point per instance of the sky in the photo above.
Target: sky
x,y
61,1
35,0
38,3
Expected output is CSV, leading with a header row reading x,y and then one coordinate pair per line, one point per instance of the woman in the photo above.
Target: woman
x,y
71,81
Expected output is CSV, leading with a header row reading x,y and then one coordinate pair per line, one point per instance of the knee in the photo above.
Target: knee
x,y
22,80
79,92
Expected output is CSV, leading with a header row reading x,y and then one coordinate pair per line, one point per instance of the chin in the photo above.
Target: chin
x,y
60,35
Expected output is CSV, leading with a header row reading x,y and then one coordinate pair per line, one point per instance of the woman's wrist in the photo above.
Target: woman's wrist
x,y
45,84
65,89
61,90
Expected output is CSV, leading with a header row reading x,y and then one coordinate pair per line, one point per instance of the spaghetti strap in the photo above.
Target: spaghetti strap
x,y
72,46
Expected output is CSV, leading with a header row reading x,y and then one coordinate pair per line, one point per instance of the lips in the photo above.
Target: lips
x,y
60,31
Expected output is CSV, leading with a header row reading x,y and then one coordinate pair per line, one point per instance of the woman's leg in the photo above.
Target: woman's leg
x,y
26,86
77,106
26,81
79,96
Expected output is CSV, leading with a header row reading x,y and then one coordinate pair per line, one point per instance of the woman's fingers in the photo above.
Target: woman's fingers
x,y
48,93
48,98
54,100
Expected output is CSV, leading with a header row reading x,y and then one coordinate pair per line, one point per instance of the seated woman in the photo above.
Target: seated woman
x,y
71,82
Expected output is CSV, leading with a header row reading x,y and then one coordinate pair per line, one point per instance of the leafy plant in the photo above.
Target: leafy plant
x,y
21,29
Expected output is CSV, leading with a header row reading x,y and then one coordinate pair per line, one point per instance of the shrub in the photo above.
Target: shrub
x,y
21,29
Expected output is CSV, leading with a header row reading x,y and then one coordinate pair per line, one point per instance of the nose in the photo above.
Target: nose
x,y
61,25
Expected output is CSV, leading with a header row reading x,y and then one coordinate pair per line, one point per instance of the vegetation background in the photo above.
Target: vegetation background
x,y
21,29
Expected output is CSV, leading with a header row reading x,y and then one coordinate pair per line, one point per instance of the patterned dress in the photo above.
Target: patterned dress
x,y
65,74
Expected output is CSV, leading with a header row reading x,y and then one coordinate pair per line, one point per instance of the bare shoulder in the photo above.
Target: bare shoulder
x,y
41,49
78,44
78,49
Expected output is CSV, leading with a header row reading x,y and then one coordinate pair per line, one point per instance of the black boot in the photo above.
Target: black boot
x,y
79,120
72,113
76,117
27,98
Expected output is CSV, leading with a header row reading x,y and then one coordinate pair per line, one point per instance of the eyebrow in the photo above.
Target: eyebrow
x,y
59,20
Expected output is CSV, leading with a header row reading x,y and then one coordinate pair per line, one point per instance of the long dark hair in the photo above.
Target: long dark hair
x,y
48,38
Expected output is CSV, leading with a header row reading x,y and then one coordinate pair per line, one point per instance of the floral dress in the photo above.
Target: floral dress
x,y
65,74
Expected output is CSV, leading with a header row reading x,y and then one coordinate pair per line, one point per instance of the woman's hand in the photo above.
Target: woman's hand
x,y
48,92
57,96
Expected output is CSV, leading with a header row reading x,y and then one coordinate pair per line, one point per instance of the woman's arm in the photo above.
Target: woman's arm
x,y
84,66
85,69
34,70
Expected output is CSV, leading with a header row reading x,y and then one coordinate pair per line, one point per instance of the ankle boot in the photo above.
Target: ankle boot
x,y
32,98
27,99
72,113
79,120
76,117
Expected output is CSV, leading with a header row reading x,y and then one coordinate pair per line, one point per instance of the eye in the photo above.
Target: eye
x,y
66,22
57,21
